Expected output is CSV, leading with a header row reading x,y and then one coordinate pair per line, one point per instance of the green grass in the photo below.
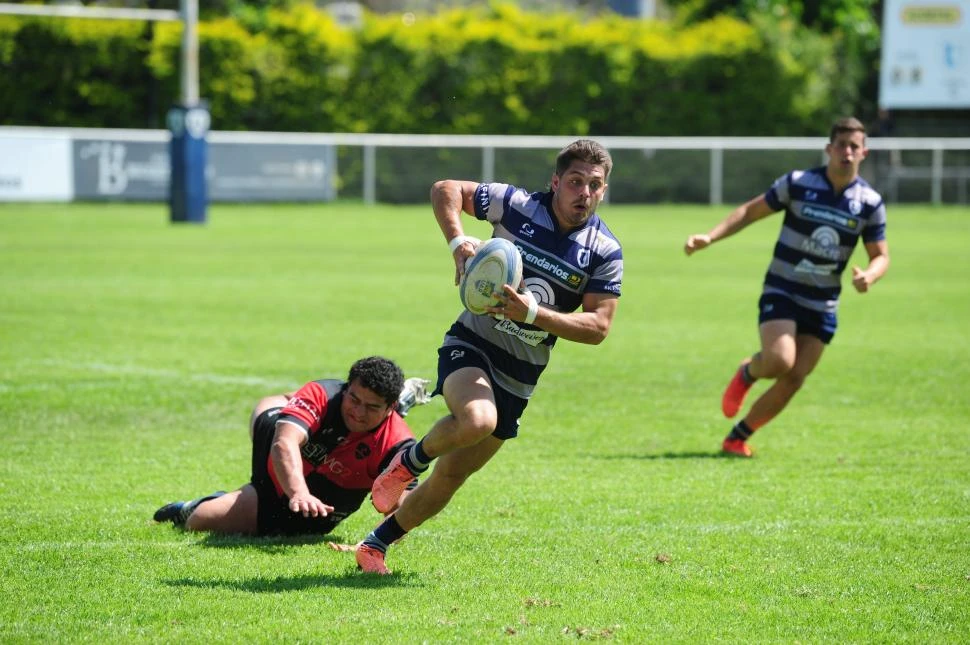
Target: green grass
x,y
131,351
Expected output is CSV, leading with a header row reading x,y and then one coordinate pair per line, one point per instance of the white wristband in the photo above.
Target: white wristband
x,y
457,241
530,316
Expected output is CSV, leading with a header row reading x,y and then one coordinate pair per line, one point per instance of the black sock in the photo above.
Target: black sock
x,y
190,507
384,535
740,431
746,374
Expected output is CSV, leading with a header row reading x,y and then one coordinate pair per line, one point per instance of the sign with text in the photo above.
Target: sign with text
x,y
35,169
235,172
247,172
123,170
925,54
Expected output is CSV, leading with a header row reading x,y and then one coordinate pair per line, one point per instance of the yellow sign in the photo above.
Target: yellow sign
x,y
931,15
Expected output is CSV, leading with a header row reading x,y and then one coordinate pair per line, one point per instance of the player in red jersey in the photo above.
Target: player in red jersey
x,y
316,453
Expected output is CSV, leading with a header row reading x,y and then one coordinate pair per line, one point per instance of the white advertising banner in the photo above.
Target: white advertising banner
x,y
35,168
116,169
925,54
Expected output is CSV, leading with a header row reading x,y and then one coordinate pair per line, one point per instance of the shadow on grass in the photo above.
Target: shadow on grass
x,y
693,454
268,544
280,544
349,580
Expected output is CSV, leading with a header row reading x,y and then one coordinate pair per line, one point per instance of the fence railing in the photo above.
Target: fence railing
x,y
398,168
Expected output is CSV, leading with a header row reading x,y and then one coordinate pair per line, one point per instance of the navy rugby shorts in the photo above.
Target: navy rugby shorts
x,y
510,407
775,306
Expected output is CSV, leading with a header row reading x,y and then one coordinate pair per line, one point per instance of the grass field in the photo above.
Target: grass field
x,y
131,351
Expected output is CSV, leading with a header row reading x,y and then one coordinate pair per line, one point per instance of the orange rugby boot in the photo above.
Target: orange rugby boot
x,y
370,560
387,488
736,448
736,390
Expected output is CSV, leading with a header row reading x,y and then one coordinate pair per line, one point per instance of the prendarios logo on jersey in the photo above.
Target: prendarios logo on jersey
x,y
551,267
830,216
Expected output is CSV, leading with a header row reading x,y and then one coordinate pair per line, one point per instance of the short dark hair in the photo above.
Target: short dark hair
x,y
379,375
846,124
585,150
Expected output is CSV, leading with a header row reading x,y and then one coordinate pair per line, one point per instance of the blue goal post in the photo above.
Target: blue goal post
x,y
188,122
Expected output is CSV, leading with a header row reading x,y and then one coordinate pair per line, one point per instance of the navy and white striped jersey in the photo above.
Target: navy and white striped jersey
x,y
819,233
557,267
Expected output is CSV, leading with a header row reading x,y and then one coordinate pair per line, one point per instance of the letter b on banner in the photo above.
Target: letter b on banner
x,y
187,190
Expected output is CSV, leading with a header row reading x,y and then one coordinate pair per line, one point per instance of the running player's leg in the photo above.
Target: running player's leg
x,y
468,393
425,501
777,357
778,349
464,442
770,404
450,472
233,512
471,401
777,316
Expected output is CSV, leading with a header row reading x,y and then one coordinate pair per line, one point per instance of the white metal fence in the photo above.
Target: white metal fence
x,y
400,168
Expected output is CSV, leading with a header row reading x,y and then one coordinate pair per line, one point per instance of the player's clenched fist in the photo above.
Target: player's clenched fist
x,y
696,243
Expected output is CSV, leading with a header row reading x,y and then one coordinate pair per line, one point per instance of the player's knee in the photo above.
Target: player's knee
x,y
264,404
776,365
267,402
205,516
478,421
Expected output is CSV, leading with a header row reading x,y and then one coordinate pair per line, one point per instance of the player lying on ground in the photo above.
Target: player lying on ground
x,y
316,453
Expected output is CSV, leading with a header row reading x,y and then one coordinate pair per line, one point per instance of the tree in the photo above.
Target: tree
x,y
853,24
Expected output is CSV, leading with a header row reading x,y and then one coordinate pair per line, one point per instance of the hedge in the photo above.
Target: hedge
x,y
497,69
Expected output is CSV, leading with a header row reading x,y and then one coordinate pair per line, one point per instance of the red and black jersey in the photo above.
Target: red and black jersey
x,y
350,460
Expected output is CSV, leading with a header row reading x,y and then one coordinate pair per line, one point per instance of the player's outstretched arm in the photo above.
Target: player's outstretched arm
x,y
748,212
288,464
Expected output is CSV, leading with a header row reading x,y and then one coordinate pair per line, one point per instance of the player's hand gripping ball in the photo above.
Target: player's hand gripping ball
x,y
496,262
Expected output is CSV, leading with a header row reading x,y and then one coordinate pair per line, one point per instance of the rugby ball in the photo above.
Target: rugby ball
x,y
496,262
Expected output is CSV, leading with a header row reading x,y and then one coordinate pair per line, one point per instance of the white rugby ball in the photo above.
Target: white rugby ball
x,y
496,262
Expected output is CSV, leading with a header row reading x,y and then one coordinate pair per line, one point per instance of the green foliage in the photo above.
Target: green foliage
x,y
851,28
73,72
481,70
826,16
500,70
244,10
290,76
307,85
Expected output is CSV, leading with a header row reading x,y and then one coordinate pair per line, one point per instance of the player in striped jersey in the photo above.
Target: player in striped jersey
x,y
488,365
827,210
